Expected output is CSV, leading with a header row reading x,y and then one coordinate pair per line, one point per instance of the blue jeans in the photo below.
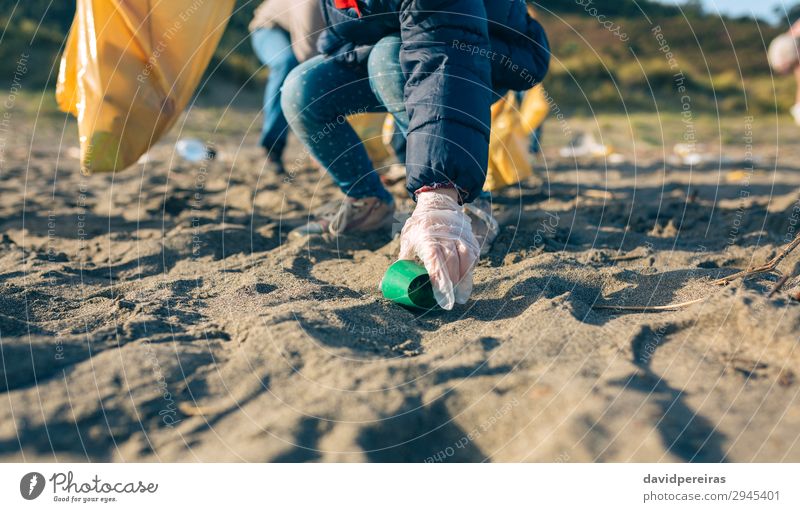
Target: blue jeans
x,y
317,97
273,47
387,81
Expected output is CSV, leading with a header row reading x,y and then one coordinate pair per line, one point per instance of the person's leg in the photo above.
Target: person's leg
x,y
317,97
795,110
797,78
387,80
274,49
536,140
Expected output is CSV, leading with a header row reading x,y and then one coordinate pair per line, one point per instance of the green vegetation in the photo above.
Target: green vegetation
x,y
607,56
642,61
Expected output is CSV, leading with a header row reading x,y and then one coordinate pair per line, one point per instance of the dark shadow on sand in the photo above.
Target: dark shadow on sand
x,y
685,433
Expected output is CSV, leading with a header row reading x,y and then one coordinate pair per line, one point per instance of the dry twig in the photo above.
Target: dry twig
x,y
649,309
752,271
767,267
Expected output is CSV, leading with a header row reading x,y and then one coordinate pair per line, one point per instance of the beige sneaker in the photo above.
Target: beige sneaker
x,y
350,216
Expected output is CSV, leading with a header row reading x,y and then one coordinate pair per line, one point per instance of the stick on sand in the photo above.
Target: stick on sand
x,y
767,267
752,271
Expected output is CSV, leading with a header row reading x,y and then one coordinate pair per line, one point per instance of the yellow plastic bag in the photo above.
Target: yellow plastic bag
x,y
369,127
129,69
512,126
534,109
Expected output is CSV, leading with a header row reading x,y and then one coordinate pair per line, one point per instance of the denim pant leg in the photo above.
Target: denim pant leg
x,y
387,80
274,49
317,98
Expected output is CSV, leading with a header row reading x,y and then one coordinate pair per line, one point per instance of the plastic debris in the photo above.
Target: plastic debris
x,y
585,145
194,150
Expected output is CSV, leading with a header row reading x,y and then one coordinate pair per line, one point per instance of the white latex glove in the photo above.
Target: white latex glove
x,y
440,234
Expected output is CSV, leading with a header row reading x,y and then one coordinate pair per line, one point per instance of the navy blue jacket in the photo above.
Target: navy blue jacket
x,y
455,55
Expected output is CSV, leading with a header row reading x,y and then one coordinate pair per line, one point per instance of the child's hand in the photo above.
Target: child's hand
x,y
440,234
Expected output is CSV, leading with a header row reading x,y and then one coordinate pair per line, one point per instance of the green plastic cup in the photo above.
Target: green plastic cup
x,y
408,284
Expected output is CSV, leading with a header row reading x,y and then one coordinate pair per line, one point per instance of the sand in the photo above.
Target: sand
x,y
163,314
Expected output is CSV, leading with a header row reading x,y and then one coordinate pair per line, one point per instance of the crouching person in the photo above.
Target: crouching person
x,y
784,58
283,33
456,57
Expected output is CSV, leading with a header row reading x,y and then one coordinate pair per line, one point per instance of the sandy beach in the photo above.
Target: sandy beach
x,y
163,314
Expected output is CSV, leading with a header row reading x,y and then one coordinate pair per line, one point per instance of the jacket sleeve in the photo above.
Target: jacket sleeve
x,y
448,93
520,50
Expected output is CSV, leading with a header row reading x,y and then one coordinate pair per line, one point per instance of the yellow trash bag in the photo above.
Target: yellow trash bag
x,y
129,69
534,109
369,127
512,126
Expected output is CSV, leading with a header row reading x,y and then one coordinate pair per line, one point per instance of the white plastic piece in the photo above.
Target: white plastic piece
x,y
192,150
585,145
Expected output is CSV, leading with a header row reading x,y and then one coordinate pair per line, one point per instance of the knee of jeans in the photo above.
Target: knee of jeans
x,y
296,95
385,77
385,55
